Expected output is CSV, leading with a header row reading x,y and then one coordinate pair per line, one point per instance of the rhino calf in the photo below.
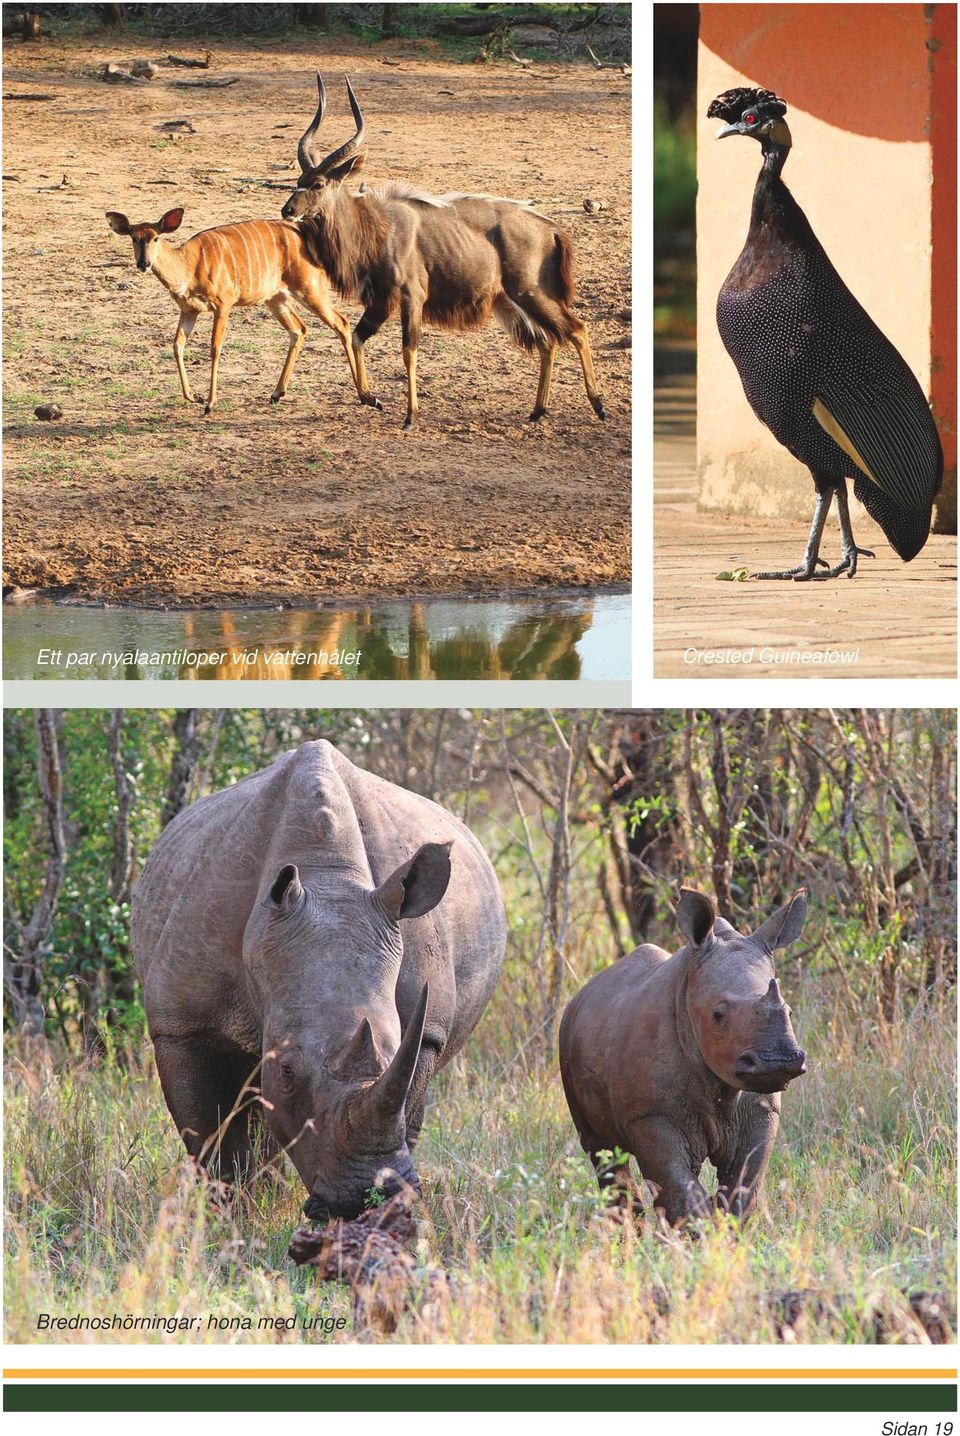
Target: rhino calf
x,y
314,942
675,1060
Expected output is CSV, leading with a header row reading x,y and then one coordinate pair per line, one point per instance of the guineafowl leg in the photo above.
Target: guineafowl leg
x,y
848,563
811,554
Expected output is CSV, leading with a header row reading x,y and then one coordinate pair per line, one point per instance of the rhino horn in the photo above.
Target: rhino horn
x,y
360,1057
380,1106
773,994
391,1089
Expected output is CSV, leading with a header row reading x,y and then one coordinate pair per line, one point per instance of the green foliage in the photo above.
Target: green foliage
x,y
778,800
674,171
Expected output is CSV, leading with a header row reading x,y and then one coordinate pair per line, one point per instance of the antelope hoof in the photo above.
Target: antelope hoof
x,y
598,408
371,401
536,416
276,396
207,409
408,424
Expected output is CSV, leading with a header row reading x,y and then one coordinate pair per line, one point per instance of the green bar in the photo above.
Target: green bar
x,y
341,1395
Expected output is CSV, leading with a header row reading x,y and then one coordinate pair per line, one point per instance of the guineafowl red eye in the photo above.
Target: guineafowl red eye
x,y
750,119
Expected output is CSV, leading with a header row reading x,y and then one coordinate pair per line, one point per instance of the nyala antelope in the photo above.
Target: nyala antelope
x,y
261,261
452,260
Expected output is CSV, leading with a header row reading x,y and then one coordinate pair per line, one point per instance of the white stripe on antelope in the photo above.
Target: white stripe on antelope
x,y
261,261
453,261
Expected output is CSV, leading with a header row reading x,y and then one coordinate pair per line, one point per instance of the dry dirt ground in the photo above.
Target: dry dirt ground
x,y
135,496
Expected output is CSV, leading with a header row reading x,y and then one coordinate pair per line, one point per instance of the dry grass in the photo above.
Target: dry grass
x,y
105,1216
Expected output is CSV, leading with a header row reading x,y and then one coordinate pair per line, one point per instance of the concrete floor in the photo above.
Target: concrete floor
x,y
893,620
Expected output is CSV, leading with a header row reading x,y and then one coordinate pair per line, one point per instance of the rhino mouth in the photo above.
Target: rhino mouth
x,y
767,1082
758,1075
320,1210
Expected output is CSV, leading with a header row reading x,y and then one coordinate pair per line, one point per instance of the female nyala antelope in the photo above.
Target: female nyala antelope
x,y
261,261
452,259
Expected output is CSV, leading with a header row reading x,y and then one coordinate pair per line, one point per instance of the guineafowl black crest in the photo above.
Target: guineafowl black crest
x,y
814,366
732,104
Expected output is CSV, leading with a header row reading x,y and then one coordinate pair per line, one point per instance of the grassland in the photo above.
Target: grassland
x,y
104,1215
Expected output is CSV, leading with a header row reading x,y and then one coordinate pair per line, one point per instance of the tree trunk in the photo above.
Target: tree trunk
x,y
121,869
23,975
183,764
317,17
642,772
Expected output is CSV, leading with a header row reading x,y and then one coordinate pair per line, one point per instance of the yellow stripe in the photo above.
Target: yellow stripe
x,y
828,423
543,1373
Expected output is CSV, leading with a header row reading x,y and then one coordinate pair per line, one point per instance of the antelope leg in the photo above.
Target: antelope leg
x,y
284,313
581,342
317,298
410,328
188,319
220,320
547,355
369,323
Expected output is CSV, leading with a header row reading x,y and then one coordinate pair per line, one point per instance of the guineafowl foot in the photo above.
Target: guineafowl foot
x,y
847,565
805,570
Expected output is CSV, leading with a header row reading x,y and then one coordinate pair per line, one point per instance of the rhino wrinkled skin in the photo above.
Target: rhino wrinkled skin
x,y
679,1059
342,932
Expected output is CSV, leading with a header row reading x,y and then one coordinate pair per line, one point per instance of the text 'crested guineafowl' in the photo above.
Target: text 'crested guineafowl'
x,y
814,366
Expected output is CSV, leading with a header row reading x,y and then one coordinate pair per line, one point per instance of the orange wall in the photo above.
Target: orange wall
x,y
871,147
943,72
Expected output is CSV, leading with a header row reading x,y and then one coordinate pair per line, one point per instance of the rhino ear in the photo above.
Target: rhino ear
x,y
696,915
785,925
286,888
417,885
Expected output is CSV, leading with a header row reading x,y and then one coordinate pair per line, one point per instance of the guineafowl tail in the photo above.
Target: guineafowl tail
x,y
907,530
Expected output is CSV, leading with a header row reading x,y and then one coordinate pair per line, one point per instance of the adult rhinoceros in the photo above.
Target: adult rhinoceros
x,y
334,931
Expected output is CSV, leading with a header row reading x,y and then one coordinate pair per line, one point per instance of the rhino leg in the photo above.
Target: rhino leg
x,y
616,1181
741,1170
660,1150
201,1088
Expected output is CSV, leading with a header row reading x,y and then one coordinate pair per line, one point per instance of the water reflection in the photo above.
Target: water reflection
x,y
531,638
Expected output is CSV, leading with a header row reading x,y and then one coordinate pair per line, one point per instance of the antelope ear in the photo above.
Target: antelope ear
x,y
342,172
785,925
416,886
171,221
118,222
286,889
696,915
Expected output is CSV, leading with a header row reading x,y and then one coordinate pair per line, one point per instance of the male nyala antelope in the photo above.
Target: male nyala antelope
x,y
261,261
452,260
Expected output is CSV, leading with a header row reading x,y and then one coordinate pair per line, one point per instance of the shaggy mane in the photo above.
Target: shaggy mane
x,y
393,190
349,246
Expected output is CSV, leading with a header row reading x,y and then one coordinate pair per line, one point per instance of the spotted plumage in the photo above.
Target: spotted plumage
x,y
816,369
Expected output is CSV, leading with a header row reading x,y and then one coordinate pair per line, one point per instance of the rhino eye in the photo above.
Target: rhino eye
x,y
719,1013
287,1075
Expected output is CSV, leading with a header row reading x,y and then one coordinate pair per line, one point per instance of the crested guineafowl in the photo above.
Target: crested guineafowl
x,y
814,366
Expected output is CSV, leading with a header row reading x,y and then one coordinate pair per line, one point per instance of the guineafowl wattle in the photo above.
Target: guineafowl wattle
x,y
814,366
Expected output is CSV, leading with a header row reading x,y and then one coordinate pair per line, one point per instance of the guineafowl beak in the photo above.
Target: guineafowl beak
x,y
729,130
